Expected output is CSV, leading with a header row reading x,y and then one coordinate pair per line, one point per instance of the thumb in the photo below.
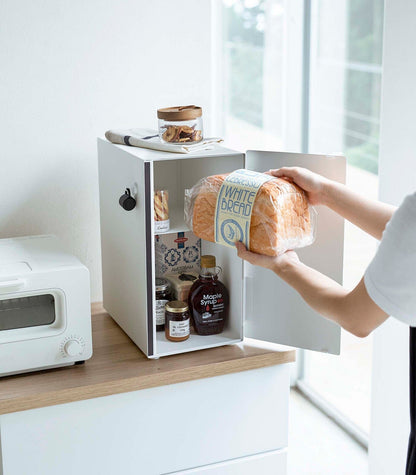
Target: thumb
x,y
239,245
289,173
247,255
277,172
241,249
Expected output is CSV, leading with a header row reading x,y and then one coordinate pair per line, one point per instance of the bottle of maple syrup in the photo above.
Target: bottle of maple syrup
x,y
208,299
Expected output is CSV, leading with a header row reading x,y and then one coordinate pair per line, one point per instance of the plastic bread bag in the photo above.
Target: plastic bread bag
x,y
269,215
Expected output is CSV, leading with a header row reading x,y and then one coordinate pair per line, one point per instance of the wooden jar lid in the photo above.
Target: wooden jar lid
x,y
179,113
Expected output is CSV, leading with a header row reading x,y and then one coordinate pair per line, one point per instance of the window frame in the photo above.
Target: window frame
x,y
299,121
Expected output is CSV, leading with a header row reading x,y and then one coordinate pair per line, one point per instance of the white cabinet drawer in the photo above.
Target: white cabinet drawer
x,y
153,431
270,463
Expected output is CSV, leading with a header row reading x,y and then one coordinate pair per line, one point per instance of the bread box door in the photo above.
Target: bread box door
x,y
273,310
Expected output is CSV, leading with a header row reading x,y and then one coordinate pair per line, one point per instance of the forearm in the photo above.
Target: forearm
x,y
369,215
353,310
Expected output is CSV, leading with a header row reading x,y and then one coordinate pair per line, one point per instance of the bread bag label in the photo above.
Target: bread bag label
x,y
235,204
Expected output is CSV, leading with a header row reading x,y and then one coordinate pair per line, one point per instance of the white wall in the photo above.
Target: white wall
x,y
69,71
390,400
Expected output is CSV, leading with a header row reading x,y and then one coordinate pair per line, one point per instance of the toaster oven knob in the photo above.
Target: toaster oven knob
x,y
73,348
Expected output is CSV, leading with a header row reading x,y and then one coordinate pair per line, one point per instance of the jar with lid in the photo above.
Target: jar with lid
x,y
177,321
180,124
163,295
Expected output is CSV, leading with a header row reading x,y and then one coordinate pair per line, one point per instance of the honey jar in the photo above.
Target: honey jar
x,y
177,321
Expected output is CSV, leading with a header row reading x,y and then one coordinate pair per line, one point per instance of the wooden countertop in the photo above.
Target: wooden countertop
x,y
118,366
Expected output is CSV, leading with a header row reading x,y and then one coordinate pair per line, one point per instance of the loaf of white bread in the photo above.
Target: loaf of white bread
x,y
280,220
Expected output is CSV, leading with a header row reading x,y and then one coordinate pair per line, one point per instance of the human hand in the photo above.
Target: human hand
x,y
274,263
312,183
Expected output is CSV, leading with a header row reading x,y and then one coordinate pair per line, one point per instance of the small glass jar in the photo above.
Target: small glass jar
x,y
180,124
163,295
177,321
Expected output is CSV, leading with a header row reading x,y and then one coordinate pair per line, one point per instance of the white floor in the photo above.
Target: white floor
x,y
318,446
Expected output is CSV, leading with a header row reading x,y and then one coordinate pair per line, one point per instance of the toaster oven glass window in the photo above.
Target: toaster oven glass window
x,y
24,312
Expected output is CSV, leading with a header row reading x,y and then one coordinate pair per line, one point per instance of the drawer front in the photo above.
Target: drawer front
x,y
153,431
270,463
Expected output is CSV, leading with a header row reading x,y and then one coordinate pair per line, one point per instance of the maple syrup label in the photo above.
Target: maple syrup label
x,y
235,204
211,305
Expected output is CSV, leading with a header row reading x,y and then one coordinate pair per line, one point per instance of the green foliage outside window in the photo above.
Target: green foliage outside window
x,y
244,34
363,88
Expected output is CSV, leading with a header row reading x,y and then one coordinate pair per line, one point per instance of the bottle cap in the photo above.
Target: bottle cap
x,y
176,306
161,284
208,261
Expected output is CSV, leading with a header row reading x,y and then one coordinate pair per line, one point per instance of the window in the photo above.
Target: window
x,y
262,49
344,110
308,77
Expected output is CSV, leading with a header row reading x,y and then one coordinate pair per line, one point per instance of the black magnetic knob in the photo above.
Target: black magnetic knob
x,y
126,201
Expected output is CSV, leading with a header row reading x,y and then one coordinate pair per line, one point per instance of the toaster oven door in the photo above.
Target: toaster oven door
x,y
25,312
31,314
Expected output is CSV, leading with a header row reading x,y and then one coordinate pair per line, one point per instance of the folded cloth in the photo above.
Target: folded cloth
x,y
135,138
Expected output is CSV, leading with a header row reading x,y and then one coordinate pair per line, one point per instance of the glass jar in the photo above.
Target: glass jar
x,y
163,295
177,321
180,124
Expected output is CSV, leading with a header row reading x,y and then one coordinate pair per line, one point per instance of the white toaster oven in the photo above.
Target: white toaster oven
x,y
45,315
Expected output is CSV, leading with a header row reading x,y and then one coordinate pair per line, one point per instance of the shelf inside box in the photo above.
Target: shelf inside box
x,y
177,221
165,347
176,176
231,277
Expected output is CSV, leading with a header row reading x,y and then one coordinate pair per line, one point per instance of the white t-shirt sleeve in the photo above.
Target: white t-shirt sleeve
x,y
390,279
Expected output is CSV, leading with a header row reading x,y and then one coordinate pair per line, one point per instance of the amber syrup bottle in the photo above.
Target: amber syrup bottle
x,y
208,299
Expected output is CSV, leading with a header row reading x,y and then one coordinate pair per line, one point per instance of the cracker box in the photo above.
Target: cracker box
x,y
181,284
176,253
